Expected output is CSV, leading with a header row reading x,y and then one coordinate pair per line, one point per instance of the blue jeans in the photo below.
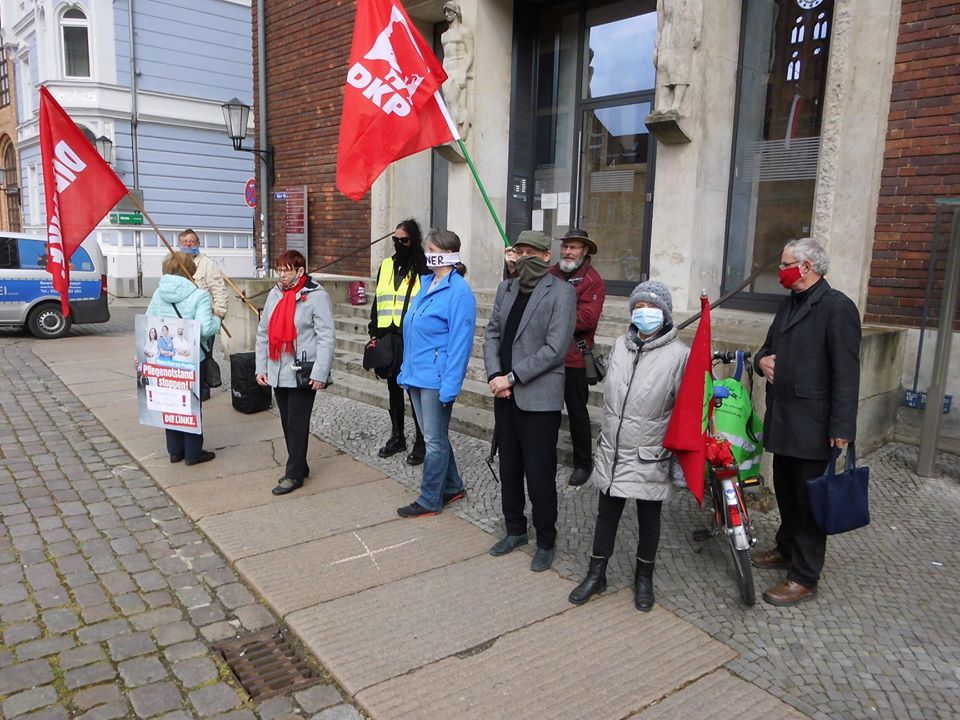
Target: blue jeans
x,y
440,474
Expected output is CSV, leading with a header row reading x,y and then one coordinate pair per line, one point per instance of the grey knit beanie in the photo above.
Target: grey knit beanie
x,y
655,293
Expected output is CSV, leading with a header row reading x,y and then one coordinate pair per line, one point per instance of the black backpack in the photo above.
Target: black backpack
x,y
247,395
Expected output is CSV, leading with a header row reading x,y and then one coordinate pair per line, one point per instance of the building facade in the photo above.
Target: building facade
x,y
151,76
11,218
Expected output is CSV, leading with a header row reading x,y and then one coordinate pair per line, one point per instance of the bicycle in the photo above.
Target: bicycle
x,y
725,487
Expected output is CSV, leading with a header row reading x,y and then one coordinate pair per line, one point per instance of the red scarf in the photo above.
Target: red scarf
x,y
282,331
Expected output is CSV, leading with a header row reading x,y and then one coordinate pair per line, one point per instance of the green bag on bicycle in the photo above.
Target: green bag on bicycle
x,y
741,426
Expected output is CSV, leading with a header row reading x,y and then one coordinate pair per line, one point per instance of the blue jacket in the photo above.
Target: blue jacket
x,y
438,336
192,302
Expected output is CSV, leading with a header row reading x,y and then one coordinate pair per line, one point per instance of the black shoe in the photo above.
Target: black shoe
x,y
595,581
417,455
542,559
204,456
286,485
508,545
643,587
579,476
453,497
396,443
176,458
414,510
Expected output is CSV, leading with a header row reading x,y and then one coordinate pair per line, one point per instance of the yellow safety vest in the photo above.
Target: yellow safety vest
x,y
390,299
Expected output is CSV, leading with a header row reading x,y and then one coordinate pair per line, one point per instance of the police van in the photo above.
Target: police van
x,y
27,297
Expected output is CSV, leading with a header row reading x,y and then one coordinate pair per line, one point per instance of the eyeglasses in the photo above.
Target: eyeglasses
x,y
402,240
784,266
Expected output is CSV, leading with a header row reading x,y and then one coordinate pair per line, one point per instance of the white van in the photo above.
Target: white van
x,y
27,297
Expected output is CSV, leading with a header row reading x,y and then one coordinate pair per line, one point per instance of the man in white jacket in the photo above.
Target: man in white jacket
x,y
208,277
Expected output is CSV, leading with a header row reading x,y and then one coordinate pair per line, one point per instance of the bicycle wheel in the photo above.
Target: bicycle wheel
x,y
743,573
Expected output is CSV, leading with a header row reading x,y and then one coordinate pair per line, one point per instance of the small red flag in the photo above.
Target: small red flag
x,y
80,189
687,432
392,106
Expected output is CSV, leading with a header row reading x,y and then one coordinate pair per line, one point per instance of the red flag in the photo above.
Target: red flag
x,y
80,187
687,432
392,106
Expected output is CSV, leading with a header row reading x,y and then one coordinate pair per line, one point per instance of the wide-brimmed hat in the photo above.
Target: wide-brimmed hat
x,y
581,236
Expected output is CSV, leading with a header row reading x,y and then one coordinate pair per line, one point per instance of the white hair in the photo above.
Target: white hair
x,y
811,251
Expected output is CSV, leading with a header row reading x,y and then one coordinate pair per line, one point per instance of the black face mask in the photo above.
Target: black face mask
x,y
401,251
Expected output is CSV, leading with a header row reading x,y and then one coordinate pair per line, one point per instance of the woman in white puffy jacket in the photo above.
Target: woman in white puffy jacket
x,y
644,374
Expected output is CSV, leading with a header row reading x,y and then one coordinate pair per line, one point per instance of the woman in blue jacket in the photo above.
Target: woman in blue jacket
x,y
437,341
177,296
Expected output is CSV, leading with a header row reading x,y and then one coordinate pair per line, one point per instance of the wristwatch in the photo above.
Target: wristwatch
x,y
511,378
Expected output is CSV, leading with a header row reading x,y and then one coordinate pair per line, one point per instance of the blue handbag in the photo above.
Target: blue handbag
x,y
840,503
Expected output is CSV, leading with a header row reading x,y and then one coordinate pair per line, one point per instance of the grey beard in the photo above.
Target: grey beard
x,y
570,265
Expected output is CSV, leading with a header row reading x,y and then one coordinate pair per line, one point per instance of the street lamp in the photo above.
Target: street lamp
x,y
235,116
105,148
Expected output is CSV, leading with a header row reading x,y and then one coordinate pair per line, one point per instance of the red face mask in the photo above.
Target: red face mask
x,y
789,276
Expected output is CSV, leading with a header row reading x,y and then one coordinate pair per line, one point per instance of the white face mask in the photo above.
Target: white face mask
x,y
435,260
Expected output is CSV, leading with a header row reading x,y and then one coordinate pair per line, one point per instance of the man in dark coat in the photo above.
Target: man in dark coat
x,y
576,250
811,362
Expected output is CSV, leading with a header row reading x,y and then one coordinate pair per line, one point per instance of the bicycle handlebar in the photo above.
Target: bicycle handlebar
x,y
729,356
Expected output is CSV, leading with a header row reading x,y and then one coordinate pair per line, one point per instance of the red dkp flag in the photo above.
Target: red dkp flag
x,y
392,106
80,189
686,433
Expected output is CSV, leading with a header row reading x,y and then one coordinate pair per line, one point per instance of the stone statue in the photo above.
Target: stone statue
x,y
679,26
457,41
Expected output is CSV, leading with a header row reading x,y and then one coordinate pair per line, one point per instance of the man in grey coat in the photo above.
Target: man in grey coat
x,y
527,337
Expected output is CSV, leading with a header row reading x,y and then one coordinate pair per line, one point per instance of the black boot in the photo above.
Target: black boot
x,y
595,581
643,587
397,442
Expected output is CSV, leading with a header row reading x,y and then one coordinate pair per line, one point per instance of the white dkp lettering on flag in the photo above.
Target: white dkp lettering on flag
x,y
66,165
392,91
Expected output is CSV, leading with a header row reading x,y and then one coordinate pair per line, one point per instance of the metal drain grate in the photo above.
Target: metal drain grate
x,y
266,663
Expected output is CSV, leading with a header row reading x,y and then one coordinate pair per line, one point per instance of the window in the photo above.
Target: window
x,y
9,257
11,186
4,81
783,69
76,44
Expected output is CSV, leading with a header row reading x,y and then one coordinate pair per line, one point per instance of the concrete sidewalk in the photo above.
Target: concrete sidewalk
x,y
412,617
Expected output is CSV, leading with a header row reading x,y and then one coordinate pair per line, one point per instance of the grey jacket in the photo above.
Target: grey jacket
x,y
543,336
314,320
638,396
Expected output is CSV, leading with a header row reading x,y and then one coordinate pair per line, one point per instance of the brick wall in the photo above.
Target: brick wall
x,y
921,160
307,48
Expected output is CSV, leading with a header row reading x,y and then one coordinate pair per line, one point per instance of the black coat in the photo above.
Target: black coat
x,y
816,375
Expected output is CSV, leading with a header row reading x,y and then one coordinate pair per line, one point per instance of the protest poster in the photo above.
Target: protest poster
x,y
168,372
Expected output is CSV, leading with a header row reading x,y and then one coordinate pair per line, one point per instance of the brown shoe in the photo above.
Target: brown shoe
x,y
771,559
788,593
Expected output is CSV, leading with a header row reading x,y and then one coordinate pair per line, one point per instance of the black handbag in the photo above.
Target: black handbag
x,y
211,369
593,363
302,368
384,355
841,503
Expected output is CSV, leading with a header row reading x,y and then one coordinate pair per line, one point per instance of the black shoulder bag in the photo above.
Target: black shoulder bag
x,y
209,367
594,363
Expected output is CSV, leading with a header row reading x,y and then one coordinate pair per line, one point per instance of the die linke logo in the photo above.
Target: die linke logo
x,y
67,165
380,75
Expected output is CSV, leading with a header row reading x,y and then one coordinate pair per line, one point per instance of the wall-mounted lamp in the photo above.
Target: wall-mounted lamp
x,y
105,148
236,115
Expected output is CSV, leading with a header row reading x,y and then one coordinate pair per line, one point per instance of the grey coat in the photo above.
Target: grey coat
x,y
543,336
314,320
638,396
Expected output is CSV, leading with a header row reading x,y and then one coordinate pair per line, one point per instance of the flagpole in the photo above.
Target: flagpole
x,y
163,239
486,199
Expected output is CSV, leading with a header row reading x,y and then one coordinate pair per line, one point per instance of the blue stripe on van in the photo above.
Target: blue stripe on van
x,y
26,291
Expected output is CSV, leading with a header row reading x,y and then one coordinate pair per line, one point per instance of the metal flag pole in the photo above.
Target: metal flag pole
x,y
483,191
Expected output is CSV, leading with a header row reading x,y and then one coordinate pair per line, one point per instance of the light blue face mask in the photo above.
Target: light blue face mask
x,y
647,320
193,251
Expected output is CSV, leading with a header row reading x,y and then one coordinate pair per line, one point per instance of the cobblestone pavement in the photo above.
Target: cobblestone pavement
x,y
109,596
882,640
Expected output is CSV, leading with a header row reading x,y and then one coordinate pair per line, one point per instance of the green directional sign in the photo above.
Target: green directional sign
x,y
126,218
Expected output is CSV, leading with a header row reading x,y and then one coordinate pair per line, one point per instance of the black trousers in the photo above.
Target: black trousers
x,y
609,510
184,444
528,447
575,393
295,408
398,409
798,538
